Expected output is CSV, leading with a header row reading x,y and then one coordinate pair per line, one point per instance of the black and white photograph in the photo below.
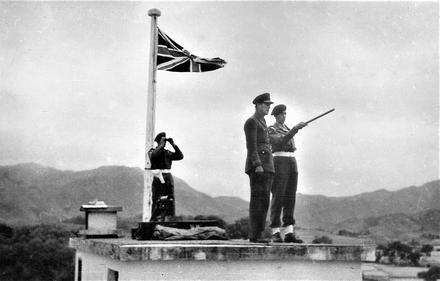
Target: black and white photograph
x,y
219,140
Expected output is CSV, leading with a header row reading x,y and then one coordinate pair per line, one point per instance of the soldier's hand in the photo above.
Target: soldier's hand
x,y
300,125
171,141
259,169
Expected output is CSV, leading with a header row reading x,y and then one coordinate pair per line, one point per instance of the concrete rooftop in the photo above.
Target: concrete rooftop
x,y
126,249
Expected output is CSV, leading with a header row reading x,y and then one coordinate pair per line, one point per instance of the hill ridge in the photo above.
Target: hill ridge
x,y
33,193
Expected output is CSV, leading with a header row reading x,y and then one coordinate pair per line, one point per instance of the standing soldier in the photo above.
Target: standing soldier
x,y
259,167
163,206
286,176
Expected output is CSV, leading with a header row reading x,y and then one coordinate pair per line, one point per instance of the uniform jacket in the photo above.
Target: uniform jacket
x,y
259,151
161,158
281,138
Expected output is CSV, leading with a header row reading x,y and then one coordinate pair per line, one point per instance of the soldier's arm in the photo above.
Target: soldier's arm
x,y
150,152
153,156
280,139
177,155
292,132
250,130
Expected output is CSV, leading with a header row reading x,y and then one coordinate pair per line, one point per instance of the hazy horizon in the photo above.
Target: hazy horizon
x,y
115,165
74,86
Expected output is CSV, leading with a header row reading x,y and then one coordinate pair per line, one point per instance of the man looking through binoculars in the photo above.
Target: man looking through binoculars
x,y
163,207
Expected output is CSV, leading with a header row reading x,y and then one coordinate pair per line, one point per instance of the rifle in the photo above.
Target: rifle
x,y
319,116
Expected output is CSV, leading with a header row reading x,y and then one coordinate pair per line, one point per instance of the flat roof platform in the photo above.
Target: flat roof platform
x,y
127,249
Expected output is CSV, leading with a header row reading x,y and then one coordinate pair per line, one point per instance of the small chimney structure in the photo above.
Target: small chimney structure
x,y
100,220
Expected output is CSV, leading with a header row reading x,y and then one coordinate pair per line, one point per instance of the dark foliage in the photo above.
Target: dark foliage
x,y
404,252
430,236
399,247
414,243
6,231
427,248
344,232
431,275
239,229
221,222
37,253
400,253
414,257
322,240
75,220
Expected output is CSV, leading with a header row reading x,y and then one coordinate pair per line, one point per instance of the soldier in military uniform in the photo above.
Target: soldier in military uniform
x,y
286,177
259,166
163,206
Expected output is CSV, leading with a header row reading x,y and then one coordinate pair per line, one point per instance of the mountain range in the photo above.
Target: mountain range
x,y
322,211
32,193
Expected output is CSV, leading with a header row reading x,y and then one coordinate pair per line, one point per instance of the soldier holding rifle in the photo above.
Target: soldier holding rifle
x,y
286,175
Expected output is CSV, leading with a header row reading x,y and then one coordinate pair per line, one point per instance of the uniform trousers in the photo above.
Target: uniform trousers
x,y
163,198
283,191
260,184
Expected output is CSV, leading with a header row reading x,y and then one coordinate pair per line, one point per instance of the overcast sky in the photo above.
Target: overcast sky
x,y
73,88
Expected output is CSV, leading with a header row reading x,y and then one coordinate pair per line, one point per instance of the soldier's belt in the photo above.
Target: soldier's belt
x,y
158,174
164,171
283,154
160,171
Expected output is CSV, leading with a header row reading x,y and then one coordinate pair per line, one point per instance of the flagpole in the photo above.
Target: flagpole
x,y
151,116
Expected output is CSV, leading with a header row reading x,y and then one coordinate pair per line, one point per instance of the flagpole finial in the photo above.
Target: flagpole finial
x,y
154,12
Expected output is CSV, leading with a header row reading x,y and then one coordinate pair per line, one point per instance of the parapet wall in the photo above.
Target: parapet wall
x,y
127,250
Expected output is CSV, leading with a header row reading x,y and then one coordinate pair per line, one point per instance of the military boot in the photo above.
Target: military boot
x,y
276,238
258,240
291,238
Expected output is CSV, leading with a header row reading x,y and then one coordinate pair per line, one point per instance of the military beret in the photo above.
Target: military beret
x,y
159,137
278,109
263,98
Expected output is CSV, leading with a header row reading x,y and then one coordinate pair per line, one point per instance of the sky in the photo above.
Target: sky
x,y
74,79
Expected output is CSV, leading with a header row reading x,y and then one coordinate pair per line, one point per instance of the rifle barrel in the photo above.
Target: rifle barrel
x,y
319,116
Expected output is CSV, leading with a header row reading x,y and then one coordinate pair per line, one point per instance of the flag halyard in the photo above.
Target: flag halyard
x,y
173,57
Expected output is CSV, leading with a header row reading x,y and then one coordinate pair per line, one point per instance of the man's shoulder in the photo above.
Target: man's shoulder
x,y
251,121
274,127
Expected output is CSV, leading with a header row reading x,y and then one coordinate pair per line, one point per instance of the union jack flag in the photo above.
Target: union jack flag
x,y
173,57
